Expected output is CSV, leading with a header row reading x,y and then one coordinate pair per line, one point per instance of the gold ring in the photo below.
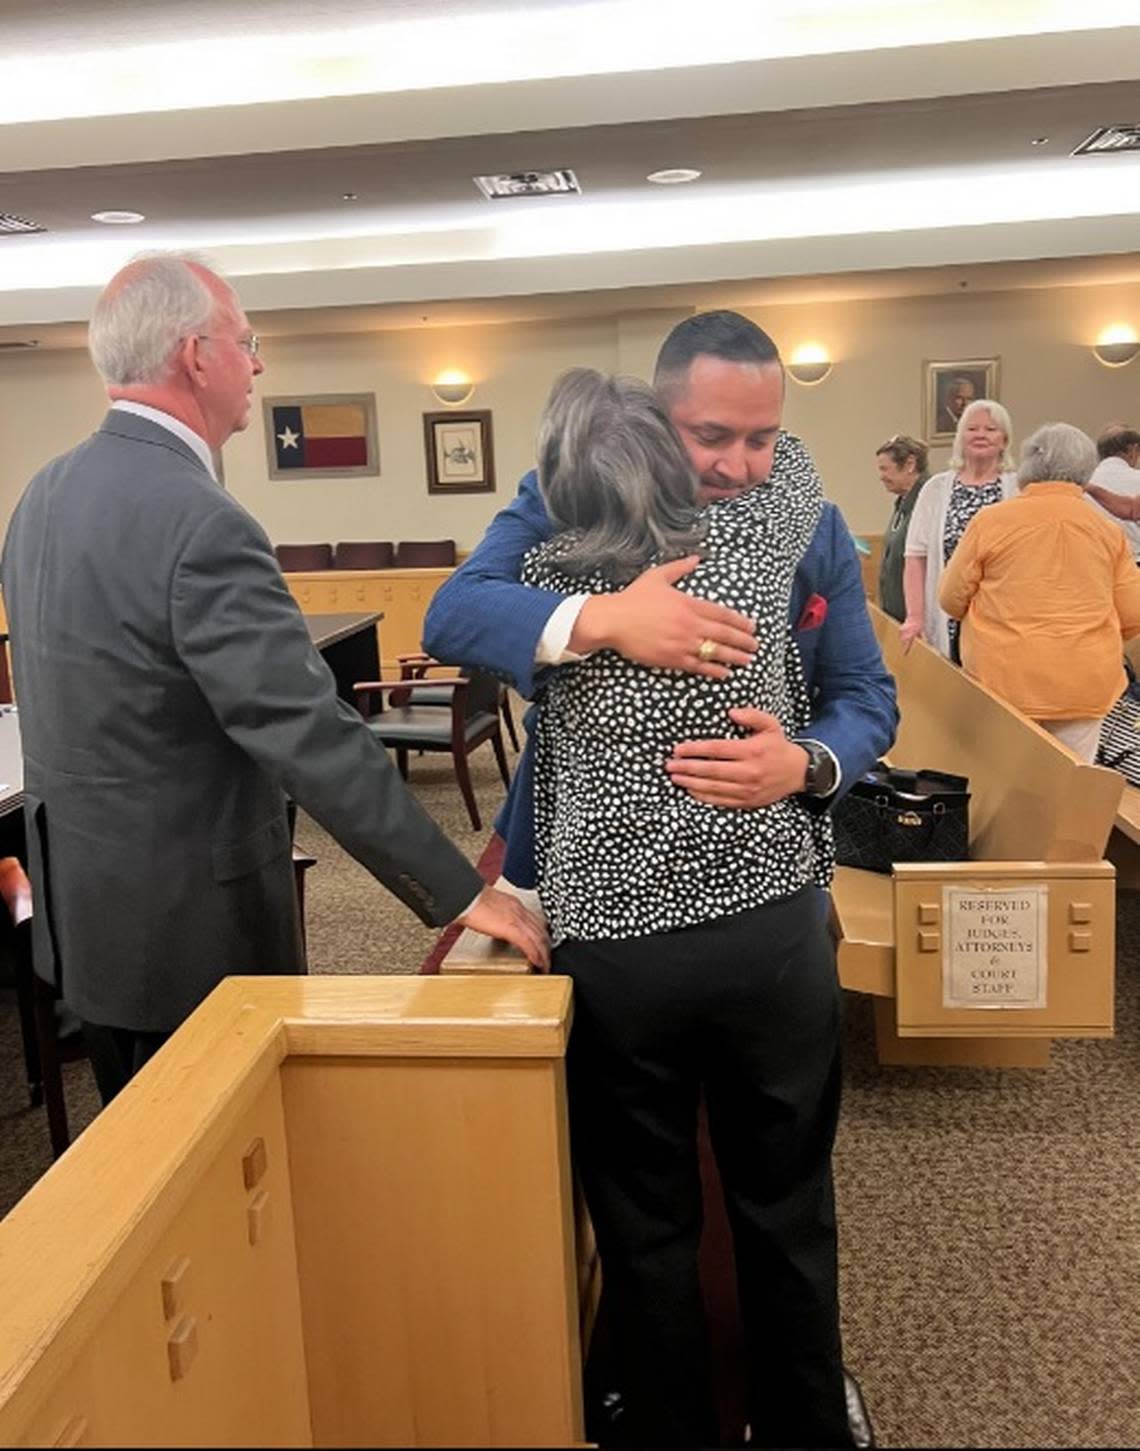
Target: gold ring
x,y
706,650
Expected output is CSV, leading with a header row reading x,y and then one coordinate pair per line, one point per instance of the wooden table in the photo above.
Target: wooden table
x,y
350,645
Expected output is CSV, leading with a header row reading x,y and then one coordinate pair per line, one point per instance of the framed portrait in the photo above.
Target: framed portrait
x,y
948,388
459,452
321,436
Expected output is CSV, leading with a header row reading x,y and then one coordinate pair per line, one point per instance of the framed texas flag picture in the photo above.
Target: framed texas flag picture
x,y
321,436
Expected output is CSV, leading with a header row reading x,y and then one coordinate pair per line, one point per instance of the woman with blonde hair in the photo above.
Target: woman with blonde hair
x,y
1046,589
980,474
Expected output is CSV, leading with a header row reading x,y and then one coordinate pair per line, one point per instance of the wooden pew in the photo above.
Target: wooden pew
x,y
1038,817
1124,844
330,1212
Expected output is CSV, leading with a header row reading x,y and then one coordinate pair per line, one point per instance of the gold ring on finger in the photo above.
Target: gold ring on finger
x,y
706,650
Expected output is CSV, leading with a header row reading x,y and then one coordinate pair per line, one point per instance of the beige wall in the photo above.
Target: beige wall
x,y
50,400
1048,372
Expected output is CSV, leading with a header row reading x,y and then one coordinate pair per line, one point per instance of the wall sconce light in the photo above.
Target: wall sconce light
x,y
453,387
809,363
1116,345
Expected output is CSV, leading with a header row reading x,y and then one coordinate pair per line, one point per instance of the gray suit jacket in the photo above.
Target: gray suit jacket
x,y
169,698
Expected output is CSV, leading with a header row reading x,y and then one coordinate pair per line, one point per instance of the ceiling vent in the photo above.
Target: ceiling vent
x,y
1107,140
11,224
529,183
19,344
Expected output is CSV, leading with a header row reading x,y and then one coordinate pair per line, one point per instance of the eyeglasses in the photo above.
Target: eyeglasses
x,y
250,344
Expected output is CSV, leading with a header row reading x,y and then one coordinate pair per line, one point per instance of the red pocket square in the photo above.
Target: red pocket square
x,y
815,612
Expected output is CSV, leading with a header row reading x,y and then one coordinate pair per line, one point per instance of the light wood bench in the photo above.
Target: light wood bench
x,y
1124,845
1038,815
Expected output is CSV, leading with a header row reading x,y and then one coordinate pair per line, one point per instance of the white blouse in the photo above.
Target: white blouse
x,y
924,541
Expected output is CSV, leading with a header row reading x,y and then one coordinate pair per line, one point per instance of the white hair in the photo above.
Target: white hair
x,y
999,416
144,313
1057,452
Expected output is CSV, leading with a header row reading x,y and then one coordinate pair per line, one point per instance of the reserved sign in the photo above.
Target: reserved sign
x,y
995,947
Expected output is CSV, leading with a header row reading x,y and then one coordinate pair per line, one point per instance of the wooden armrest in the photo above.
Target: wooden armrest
x,y
863,922
1128,813
364,690
364,685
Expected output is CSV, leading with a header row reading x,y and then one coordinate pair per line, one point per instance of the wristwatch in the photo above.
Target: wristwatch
x,y
821,769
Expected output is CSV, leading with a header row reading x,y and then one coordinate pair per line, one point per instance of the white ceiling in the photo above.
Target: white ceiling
x,y
836,137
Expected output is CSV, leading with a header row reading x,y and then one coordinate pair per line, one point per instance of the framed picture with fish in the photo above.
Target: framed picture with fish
x,y
459,452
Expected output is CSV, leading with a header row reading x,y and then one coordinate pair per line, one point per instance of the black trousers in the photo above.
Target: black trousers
x,y
117,1054
746,1009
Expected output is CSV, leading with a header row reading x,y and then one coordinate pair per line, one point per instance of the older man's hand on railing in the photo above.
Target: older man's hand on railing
x,y
497,914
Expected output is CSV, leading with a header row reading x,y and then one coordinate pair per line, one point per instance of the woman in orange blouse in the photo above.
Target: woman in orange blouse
x,y
1046,589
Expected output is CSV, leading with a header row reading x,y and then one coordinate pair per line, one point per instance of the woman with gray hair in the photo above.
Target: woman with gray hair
x,y
979,475
623,496
1046,590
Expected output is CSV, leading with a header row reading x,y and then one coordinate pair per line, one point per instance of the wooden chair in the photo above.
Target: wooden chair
x,y
365,554
416,667
425,553
44,1051
304,556
473,719
5,673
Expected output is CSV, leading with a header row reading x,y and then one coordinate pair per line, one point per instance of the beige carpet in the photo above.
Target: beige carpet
x,y
990,1220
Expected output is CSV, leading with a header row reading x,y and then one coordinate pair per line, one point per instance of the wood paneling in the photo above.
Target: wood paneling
x,y
402,595
373,1243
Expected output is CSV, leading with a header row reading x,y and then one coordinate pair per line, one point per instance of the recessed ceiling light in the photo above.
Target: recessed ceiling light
x,y
1040,141
118,219
673,175
348,196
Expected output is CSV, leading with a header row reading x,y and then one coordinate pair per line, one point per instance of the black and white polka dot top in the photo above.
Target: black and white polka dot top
x,y
620,850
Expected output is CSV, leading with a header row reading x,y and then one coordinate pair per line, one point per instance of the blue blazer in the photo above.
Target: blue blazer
x,y
485,619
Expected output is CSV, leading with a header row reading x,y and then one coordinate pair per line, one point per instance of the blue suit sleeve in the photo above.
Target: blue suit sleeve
x,y
854,710
483,617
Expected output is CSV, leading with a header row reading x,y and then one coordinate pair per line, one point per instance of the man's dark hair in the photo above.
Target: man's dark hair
x,y
1115,442
721,334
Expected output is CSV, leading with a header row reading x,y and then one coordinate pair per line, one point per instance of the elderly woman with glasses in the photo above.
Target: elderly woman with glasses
x,y
977,477
1046,590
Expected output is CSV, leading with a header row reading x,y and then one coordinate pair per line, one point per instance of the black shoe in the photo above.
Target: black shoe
x,y
858,1417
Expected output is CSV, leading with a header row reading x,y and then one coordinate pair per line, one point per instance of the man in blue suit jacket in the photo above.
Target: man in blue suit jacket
x,y
482,617
723,384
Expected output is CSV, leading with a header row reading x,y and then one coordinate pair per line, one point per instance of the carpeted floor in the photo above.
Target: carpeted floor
x,y
990,1220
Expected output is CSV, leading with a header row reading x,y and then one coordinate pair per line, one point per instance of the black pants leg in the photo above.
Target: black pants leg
x,y
117,1054
634,1091
748,1006
772,1085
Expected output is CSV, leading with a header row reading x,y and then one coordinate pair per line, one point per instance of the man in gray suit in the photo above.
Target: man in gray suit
x,y
170,698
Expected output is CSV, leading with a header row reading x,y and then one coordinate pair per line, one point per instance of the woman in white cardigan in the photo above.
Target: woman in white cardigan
x,y
979,474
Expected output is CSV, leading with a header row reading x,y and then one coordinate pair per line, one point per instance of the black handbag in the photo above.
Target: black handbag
x,y
892,816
